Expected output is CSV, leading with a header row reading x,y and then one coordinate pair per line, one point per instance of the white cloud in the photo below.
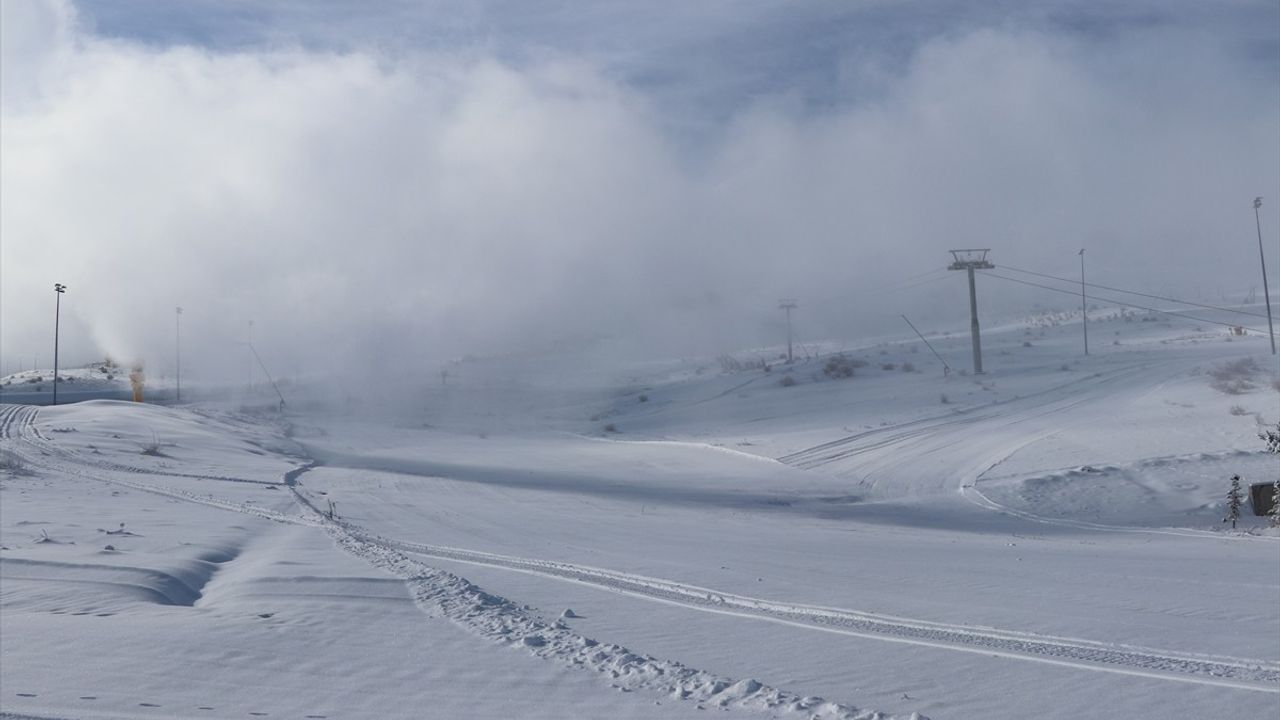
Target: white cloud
x,y
432,204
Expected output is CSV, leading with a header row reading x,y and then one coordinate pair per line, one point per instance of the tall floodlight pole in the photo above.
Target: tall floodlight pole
x,y
1084,305
177,352
58,289
788,304
970,260
251,356
1266,293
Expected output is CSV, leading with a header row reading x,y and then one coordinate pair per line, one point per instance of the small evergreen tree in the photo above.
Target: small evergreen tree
x,y
1234,500
1271,437
1275,505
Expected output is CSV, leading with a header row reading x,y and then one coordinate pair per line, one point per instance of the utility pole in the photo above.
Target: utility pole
x,y
788,304
1257,203
973,259
1084,305
58,289
177,339
250,357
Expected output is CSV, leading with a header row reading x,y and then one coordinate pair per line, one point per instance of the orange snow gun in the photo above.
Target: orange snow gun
x,y
136,379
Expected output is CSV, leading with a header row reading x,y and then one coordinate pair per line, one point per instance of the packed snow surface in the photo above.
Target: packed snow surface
x,y
536,538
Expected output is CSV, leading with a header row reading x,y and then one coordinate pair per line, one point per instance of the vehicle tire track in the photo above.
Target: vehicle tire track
x,y
23,418
466,603
835,450
1228,672
51,457
439,592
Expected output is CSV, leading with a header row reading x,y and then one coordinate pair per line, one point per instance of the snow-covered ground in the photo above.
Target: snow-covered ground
x,y
96,376
547,538
95,381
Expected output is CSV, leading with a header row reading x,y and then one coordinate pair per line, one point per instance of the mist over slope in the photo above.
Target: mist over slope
x,y
397,198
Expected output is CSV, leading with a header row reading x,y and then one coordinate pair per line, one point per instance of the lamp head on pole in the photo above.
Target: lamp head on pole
x,y
59,288
179,310
1257,203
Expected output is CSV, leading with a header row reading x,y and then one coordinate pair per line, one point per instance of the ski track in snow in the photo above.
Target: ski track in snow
x,y
1055,401
877,438
1204,669
443,593
438,592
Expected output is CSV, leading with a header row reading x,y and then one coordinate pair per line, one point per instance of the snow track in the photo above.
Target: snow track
x,y
17,426
902,452
1041,404
442,593
498,619
1227,672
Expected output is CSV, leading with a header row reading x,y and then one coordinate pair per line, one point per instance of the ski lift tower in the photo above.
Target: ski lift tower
x,y
973,259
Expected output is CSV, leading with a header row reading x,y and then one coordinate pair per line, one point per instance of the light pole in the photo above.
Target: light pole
x,y
788,304
58,289
250,358
1266,293
177,339
1084,305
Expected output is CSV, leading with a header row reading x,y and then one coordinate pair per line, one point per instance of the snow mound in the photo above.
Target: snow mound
x,y
1183,491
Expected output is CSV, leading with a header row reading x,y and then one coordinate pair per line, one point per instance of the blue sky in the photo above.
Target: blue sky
x,y
702,60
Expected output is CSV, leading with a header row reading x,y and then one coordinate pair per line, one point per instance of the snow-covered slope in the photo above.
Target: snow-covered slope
x,y
539,538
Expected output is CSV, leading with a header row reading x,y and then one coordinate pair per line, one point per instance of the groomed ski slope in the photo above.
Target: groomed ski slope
x,y
1044,543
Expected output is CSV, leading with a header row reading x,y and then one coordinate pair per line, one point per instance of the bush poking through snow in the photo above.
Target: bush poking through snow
x,y
611,428
944,399
841,366
731,364
1235,377
12,462
1238,411
787,381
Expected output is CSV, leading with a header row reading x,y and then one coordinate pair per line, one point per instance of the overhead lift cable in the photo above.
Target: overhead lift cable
x,y
1135,292
1113,301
